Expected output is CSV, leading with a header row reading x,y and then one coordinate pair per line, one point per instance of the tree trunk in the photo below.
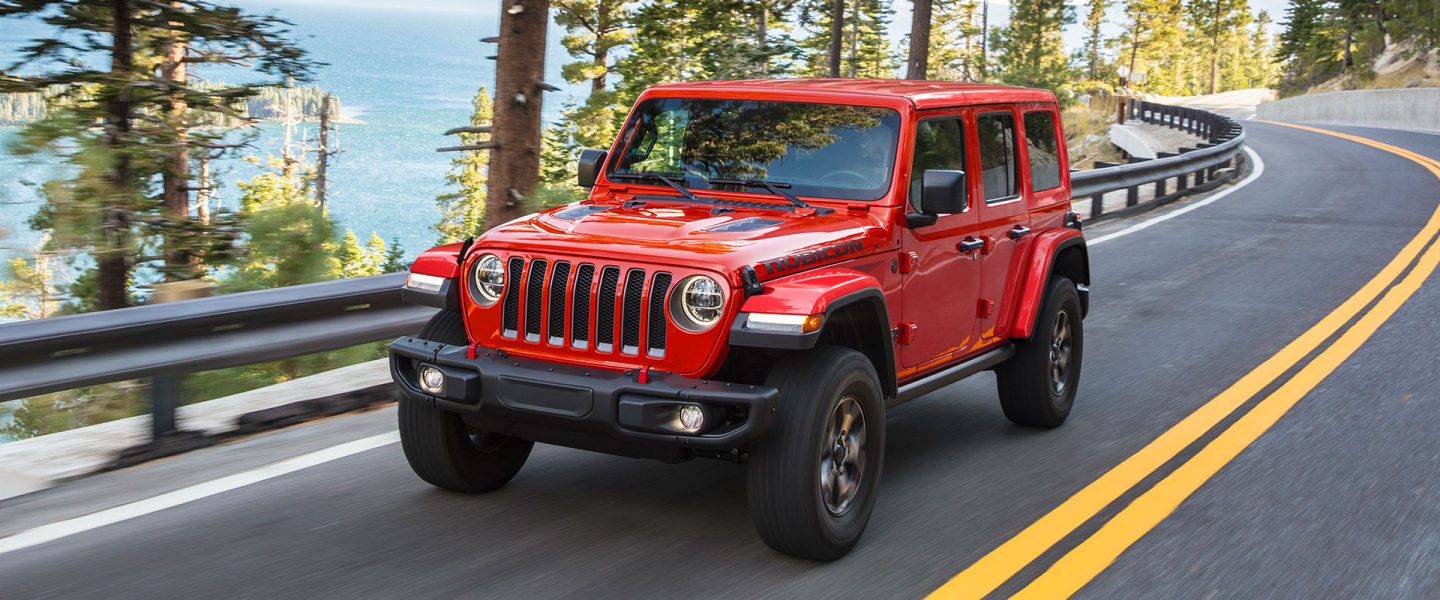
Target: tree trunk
x,y
918,66
322,156
984,40
176,178
762,32
855,40
113,260
520,67
602,53
203,192
837,33
1215,48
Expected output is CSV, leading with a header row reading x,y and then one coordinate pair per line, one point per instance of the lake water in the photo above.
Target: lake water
x,y
407,73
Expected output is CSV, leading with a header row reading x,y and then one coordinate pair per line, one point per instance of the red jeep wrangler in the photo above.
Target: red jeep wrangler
x,y
761,269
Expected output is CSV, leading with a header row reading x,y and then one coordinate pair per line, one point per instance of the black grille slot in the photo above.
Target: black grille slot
x,y
534,296
559,280
655,326
511,325
580,312
605,309
630,327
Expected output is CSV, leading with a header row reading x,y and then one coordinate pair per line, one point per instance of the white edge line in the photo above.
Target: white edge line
x,y
1255,172
139,508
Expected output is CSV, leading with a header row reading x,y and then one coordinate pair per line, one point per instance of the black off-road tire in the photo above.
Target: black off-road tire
x,y
1029,392
442,449
785,469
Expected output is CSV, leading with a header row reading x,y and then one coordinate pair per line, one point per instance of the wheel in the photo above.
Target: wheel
x,y
1037,385
442,449
813,478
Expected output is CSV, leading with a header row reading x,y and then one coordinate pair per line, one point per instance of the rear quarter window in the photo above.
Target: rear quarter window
x,y
1043,149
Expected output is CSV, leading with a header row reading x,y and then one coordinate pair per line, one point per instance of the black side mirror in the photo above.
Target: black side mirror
x,y
942,192
591,161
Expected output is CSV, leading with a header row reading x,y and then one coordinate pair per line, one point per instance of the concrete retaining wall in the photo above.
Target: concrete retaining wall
x,y
1413,108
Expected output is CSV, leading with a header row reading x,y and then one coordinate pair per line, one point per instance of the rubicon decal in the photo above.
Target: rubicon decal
x,y
805,259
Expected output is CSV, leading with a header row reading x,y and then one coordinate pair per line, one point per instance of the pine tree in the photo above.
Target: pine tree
x,y
288,239
1219,24
1094,39
865,47
1031,52
462,206
121,116
1152,34
955,41
1308,47
595,30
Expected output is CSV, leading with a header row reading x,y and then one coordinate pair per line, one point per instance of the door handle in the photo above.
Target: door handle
x,y
970,244
1018,232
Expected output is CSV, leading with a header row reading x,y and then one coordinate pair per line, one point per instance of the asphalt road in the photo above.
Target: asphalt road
x,y
1340,499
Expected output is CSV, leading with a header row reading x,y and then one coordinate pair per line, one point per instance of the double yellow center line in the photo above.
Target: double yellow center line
x,y
1081,564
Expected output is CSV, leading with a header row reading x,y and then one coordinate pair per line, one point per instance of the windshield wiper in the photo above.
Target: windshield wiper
x,y
774,187
657,177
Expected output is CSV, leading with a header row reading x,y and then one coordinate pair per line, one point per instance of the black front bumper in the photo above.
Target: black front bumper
x,y
594,409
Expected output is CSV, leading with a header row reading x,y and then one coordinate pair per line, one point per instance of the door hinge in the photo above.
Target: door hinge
x,y
984,307
908,261
905,333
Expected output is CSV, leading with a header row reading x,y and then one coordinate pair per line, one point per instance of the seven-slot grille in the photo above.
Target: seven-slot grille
x,y
543,296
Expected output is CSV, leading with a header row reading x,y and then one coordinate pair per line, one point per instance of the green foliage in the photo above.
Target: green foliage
x,y
955,42
462,206
26,289
120,123
372,258
288,239
590,125
865,49
1029,50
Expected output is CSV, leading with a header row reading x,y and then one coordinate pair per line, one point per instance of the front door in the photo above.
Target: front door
x,y
939,289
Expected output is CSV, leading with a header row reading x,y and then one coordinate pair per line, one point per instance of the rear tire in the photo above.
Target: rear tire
x,y
441,448
1037,385
813,479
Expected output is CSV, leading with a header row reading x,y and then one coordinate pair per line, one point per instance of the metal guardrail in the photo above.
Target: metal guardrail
x,y
1193,169
61,353
162,341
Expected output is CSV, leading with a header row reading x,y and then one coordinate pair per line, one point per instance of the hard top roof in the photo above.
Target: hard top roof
x,y
923,94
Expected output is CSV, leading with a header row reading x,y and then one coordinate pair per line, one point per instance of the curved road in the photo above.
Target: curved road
x,y
1340,498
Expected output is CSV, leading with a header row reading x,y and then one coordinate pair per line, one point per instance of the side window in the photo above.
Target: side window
x,y
1043,149
997,155
939,144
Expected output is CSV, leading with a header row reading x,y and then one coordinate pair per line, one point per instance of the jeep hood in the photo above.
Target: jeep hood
x,y
691,234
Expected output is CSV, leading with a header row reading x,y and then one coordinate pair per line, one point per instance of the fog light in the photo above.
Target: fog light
x,y
692,417
432,380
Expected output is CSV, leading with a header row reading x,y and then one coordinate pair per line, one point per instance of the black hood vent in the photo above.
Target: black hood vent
x,y
581,211
750,224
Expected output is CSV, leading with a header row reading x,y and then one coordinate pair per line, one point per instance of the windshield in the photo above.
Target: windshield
x,y
819,150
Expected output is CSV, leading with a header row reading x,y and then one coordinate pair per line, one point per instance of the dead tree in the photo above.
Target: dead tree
x,y
514,170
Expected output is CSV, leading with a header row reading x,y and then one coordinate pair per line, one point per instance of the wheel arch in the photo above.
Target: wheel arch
x,y
856,317
1061,251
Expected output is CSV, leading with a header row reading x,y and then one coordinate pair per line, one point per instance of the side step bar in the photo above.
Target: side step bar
x,y
947,376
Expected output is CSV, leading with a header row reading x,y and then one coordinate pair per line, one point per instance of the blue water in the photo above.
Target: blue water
x,y
407,74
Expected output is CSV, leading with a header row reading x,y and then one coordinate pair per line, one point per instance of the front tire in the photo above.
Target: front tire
x,y
1037,385
813,479
442,449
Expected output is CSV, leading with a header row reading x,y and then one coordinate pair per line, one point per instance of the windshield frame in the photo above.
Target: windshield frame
x,y
899,111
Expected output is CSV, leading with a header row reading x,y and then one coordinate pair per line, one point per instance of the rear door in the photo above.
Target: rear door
x,y
1002,207
939,289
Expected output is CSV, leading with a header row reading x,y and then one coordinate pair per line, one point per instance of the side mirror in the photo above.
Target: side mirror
x,y
942,192
591,161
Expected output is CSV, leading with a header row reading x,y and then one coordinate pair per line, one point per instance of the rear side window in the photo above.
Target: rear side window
x,y
1041,145
939,144
997,155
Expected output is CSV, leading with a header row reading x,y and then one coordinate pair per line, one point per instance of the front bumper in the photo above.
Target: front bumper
x,y
586,408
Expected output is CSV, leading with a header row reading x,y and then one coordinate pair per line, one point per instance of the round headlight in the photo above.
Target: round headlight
x,y
700,301
489,280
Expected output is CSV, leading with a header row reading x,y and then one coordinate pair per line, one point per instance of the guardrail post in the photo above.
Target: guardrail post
x,y
1200,177
1182,182
164,399
1097,205
1160,187
1132,195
